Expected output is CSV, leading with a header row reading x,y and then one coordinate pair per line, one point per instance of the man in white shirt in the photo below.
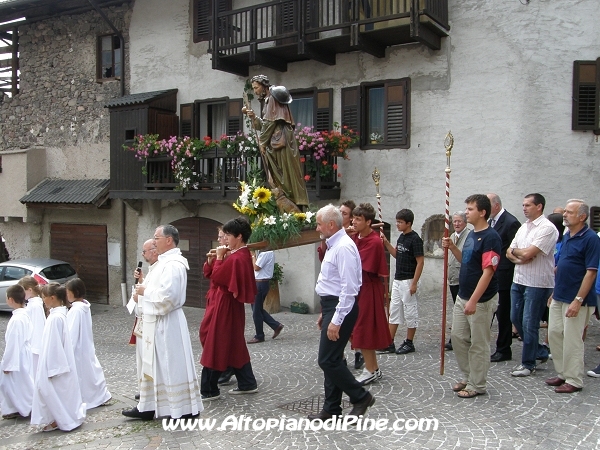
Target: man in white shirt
x,y
532,251
264,265
338,285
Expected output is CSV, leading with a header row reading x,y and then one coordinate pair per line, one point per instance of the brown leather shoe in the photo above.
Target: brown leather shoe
x,y
566,388
277,330
255,341
360,408
555,381
323,415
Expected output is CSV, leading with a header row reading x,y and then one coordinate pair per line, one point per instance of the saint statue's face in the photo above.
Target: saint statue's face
x,y
259,90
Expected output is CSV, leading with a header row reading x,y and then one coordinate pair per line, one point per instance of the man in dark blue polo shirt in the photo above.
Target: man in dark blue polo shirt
x,y
574,299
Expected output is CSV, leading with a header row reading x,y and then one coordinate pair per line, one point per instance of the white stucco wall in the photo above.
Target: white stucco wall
x,y
502,83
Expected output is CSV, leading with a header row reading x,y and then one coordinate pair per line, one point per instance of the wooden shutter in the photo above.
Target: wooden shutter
x,y
351,109
234,116
595,218
202,23
324,109
397,113
586,95
186,120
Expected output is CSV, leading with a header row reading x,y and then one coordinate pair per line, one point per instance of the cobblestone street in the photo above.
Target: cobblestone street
x,y
516,412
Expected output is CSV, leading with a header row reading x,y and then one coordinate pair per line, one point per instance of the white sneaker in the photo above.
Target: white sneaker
x,y
379,374
522,371
366,377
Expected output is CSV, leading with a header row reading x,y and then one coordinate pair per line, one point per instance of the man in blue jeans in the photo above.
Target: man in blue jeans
x,y
532,251
264,264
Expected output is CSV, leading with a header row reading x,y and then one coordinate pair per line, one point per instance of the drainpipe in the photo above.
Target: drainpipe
x,y
123,207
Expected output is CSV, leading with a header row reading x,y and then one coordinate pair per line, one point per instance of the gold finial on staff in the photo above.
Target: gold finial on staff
x,y
448,144
376,178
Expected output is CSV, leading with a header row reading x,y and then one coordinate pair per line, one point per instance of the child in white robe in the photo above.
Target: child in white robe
x,y
79,318
37,314
16,380
56,396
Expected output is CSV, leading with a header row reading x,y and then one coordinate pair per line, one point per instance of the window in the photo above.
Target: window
x,y
313,108
203,10
212,117
108,65
380,111
586,96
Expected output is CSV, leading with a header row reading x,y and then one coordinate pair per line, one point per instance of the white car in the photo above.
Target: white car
x,y
44,270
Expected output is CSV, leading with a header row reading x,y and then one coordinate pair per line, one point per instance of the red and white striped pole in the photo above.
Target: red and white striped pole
x,y
448,144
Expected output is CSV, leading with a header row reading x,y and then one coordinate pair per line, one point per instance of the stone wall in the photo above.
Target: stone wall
x,y
60,103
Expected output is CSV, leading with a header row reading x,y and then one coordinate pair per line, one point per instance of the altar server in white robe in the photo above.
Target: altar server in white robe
x,y
170,385
37,314
16,379
79,318
56,396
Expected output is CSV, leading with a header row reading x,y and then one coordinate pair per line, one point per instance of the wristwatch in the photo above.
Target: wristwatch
x,y
579,299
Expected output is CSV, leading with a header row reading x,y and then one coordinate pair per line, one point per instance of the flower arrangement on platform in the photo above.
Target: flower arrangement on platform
x,y
268,223
184,152
320,146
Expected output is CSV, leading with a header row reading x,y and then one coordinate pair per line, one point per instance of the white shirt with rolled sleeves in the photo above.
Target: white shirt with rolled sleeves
x,y
341,274
538,273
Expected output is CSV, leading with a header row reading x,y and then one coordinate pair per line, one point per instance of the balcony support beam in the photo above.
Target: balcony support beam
x,y
360,42
264,59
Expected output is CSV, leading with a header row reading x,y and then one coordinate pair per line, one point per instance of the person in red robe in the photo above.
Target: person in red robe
x,y
232,284
371,330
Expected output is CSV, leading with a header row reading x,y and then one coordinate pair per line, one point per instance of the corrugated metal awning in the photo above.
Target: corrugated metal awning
x,y
72,192
139,99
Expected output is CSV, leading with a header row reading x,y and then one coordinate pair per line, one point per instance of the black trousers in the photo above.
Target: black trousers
x,y
338,378
504,340
209,381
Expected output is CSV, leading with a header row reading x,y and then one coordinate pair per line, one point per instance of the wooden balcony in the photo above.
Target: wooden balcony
x,y
216,181
276,33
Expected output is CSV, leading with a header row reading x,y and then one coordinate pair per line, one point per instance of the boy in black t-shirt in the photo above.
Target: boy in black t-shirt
x,y
409,266
477,297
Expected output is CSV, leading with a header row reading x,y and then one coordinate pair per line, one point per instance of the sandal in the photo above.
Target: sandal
x,y
50,427
515,335
459,386
598,347
468,393
10,416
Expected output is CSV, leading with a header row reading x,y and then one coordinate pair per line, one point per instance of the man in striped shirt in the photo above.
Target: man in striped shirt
x,y
532,251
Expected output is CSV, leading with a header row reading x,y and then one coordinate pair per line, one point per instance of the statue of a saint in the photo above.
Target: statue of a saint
x,y
277,142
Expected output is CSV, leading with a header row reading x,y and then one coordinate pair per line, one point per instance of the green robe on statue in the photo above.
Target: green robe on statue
x,y
284,163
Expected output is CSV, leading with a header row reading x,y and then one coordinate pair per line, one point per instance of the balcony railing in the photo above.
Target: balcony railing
x,y
277,32
219,172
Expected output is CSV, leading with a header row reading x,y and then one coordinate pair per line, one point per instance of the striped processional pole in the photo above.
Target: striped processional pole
x,y
386,285
448,144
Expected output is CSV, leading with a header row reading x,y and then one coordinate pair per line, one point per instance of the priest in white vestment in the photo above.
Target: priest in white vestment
x,y
169,384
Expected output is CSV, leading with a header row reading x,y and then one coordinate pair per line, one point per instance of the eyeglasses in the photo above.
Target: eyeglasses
x,y
159,237
145,251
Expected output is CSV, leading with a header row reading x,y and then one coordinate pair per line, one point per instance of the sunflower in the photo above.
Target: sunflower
x,y
262,194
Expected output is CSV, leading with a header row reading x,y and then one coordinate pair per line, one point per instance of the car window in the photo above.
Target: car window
x,y
15,273
58,271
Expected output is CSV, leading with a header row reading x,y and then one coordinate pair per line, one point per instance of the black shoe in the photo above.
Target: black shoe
x,y
134,413
406,347
360,408
359,361
390,349
323,415
499,357
448,346
136,396
190,416
225,377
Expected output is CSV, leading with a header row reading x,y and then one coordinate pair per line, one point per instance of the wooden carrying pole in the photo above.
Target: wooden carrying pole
x,y
448,144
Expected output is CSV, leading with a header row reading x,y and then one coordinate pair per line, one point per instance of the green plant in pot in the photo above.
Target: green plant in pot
x,y
277,277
